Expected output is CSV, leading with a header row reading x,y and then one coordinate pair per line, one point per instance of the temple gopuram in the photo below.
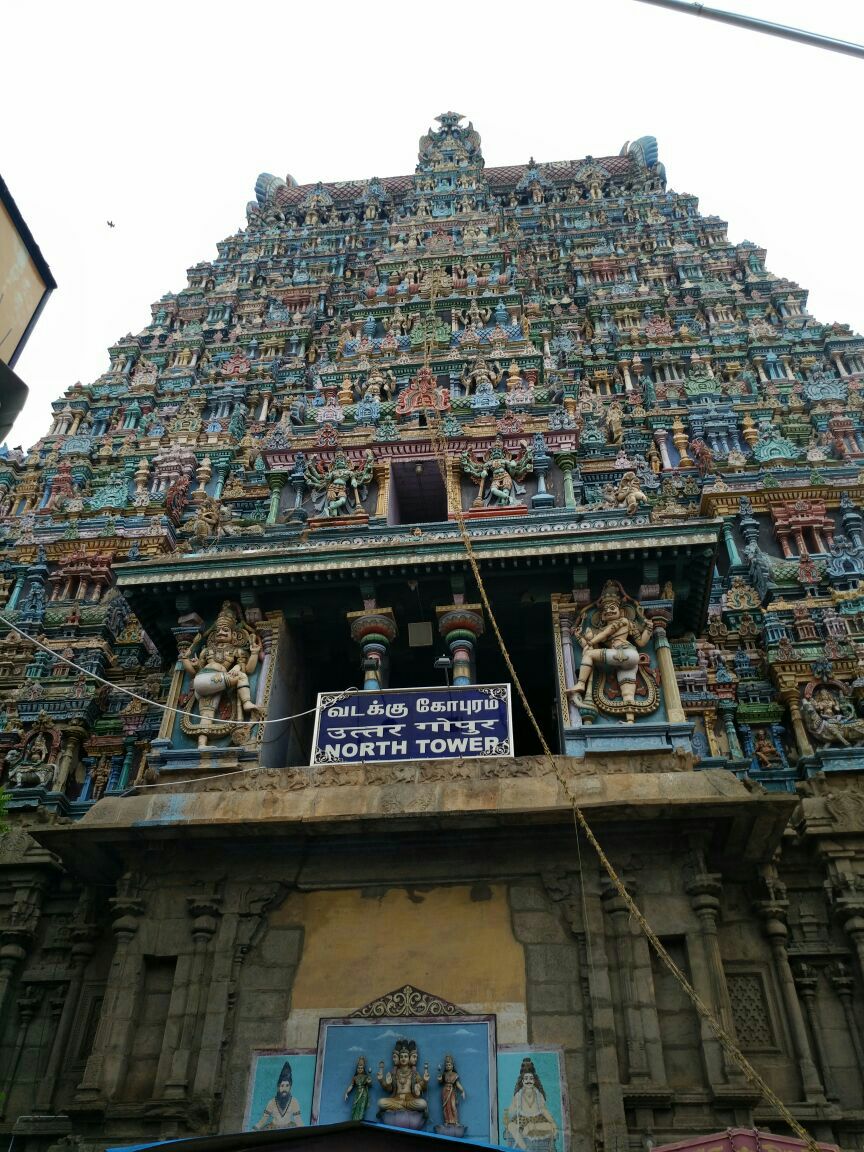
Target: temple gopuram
x,y
429,508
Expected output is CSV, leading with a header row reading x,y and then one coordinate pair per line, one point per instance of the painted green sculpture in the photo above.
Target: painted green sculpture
x,y
360,1084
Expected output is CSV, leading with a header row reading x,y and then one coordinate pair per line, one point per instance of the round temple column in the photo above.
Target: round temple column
x,y
674,711
661,436
374,631
461,625
277,483
731,546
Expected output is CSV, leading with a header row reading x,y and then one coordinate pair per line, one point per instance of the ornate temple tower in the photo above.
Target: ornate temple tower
x,y
433,506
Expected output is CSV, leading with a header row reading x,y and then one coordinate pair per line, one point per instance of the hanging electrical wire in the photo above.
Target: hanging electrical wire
x,y
727,1042
155,703
766,27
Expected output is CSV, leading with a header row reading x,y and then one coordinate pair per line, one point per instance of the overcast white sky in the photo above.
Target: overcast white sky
x,y
160,116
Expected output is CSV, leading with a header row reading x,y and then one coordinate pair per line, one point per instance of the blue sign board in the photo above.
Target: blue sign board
x,y
413,724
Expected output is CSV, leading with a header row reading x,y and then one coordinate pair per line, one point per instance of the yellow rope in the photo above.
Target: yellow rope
x,y
727,1042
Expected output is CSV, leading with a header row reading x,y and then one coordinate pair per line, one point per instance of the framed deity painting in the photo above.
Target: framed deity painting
x,y
532,1099
431,1075
279,1093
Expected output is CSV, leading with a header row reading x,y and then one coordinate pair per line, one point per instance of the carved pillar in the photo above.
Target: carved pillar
x,y
28,1006
843,984
789,695
661,437
17,589
205,914
679,439
277,483
70,756
806,981
461,625
704,891
566,609
773,913
129,745
850,911
727,712
83,936
731,546
566,461
106,1066
14,945
381,475
671,695
17,933
619,914
374,629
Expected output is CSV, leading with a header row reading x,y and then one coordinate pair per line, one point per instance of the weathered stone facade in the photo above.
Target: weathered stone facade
x,y
655,453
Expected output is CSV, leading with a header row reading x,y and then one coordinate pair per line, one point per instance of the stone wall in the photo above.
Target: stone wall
x,y
206,948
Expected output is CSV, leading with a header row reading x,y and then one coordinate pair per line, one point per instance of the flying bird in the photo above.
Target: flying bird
x,y
110,223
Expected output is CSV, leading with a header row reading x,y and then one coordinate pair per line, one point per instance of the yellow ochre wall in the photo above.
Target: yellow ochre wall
x,y
442,940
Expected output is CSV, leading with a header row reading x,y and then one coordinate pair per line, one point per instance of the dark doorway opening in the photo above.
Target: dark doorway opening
x,y
417,492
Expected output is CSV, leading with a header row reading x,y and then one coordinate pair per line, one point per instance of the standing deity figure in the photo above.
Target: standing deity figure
x,y
340,489
503,473
228,656
614,424
379,385
360,1084
623,629
448,1078
480,378
404,1083
473,315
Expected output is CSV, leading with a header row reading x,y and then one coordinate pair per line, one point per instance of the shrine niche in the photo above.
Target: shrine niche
x,y
614,676
33,761
434,1071
829,714
222,683
413,1060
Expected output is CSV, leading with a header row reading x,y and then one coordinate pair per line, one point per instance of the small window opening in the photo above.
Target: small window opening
x,y
417,492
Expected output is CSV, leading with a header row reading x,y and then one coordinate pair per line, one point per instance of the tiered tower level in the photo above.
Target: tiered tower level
x,y
657,454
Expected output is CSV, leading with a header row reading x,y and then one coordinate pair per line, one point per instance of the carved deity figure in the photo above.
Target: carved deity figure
x,y
615,644
212,520
403,1082
340,489
479,377
30,763
448,1078
528,1123
629,493
360,1084
502,472
228,656
831,718
379,385
614,424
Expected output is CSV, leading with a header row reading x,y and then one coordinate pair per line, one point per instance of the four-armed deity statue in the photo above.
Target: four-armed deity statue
x,y
340,489
611,631
229,653
404,1106
503,473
